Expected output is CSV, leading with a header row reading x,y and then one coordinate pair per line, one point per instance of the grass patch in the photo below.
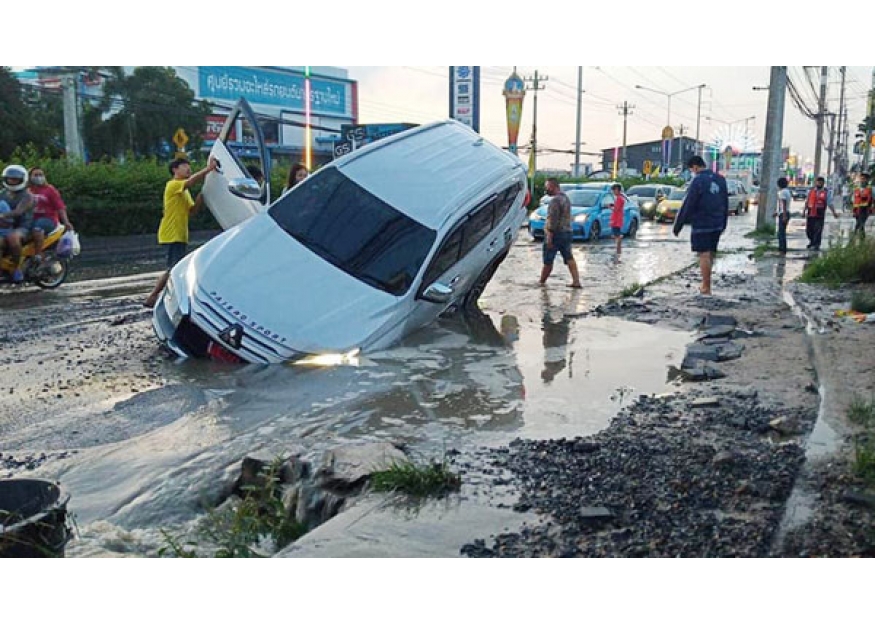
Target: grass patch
x,y
862,412
854,262
433,478
864,458
766,231
761,249
631,290
239,530
863,302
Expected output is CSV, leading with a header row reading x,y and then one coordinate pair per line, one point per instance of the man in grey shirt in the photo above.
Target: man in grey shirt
x,y
557,234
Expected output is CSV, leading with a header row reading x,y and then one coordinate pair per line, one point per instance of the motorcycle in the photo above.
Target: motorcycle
x,y
50,271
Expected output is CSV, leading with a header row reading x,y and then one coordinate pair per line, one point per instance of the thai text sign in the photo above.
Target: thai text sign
x,y
275,88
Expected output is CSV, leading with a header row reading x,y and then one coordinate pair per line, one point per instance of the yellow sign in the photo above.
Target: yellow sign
x,y
180,139
667,133
648,167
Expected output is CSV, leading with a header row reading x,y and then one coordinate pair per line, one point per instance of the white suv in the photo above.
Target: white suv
x,y
368,249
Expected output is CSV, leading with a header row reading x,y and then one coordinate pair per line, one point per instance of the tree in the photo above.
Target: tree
x,y
141,112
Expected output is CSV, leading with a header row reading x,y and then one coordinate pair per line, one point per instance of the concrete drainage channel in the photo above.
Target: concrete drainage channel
x,y
822,442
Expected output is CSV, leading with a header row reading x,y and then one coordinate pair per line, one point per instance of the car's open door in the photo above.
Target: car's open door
x,y
230,199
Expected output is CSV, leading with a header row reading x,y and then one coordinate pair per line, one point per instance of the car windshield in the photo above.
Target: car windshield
x,y
678,194
355,231
583,199
642,191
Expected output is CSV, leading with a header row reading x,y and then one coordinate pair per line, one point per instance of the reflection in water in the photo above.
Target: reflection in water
x,y
556,327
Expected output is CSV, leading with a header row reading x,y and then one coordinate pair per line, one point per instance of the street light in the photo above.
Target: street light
x,y
674,93
670,96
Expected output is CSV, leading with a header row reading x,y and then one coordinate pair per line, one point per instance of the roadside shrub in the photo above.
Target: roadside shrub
x,y
116,198
854,262
863,302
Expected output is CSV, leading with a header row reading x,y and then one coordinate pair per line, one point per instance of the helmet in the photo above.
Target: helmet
x,y
15,172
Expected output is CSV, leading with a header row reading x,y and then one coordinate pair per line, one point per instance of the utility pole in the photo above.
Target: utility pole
x,y
625,111
699,121
867,148
821,115
772,150
681,131
579,119
841,148
535,86
72,139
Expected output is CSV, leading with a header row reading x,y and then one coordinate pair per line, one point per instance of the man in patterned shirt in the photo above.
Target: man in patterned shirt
x,y
557,234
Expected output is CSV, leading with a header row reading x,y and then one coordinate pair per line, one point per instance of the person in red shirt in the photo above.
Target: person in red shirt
x,y
50,208
618,217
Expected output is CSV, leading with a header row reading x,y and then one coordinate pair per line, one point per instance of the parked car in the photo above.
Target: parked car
x,y
590,213
799,193
352,259
668,208
648,197
753,197
737,197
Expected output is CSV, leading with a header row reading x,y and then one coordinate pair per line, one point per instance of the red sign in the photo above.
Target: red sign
x,y
215,123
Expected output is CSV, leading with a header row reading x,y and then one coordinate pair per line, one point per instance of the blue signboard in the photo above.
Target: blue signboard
x,y
275,88
465,95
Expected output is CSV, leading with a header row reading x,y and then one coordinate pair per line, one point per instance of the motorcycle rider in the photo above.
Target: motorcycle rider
x,y
22,203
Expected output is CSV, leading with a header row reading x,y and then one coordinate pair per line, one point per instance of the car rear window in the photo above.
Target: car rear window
x,y
355,231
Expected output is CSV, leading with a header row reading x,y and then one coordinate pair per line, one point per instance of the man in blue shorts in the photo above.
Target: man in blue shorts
x,y
557,234
706,209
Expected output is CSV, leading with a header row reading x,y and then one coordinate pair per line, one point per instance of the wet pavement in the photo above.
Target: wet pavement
x,y
144,443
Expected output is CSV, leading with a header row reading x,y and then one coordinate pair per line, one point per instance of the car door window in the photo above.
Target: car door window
x,y
478,225
505,203
446,257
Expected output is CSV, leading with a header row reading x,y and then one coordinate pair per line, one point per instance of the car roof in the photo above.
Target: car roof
x,y
433,171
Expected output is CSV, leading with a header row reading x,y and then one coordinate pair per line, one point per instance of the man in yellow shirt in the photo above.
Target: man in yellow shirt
x,y
178,205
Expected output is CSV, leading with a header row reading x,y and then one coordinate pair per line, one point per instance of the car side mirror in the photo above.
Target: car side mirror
x,y
438,293
247,188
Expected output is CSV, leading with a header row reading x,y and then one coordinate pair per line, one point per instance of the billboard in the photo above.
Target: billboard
x,y
271,87
465,95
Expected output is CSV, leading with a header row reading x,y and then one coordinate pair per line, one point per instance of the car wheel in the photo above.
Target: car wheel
x,y
595,232
633,229
469,302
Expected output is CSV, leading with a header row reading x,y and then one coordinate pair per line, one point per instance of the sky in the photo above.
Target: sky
x,y
665,47
731,109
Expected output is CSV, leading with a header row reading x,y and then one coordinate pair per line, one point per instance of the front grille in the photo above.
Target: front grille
x,y
207,314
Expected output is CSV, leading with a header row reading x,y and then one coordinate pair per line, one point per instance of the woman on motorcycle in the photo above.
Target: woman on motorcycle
x,y
50,208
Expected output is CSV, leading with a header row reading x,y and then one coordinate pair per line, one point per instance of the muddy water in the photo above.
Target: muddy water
x,y
533,365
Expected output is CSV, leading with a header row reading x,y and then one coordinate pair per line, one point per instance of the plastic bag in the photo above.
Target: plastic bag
x,y
77,247
68,245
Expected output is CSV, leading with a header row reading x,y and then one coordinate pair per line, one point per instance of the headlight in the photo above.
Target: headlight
x,y
648,205
581,219
171,304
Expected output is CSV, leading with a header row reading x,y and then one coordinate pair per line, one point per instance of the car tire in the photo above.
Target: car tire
x,y
469,301
595,232
633,229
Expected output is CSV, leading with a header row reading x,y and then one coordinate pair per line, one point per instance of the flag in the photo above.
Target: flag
x,y
531,163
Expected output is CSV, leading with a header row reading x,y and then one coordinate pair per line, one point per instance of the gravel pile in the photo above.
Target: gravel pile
x,y
666,479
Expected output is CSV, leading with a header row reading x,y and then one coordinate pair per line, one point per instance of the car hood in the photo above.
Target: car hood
x,y
267,278
671,204
541,213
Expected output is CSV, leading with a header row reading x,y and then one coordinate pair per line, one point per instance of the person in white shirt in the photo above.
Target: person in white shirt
x,y
782,213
